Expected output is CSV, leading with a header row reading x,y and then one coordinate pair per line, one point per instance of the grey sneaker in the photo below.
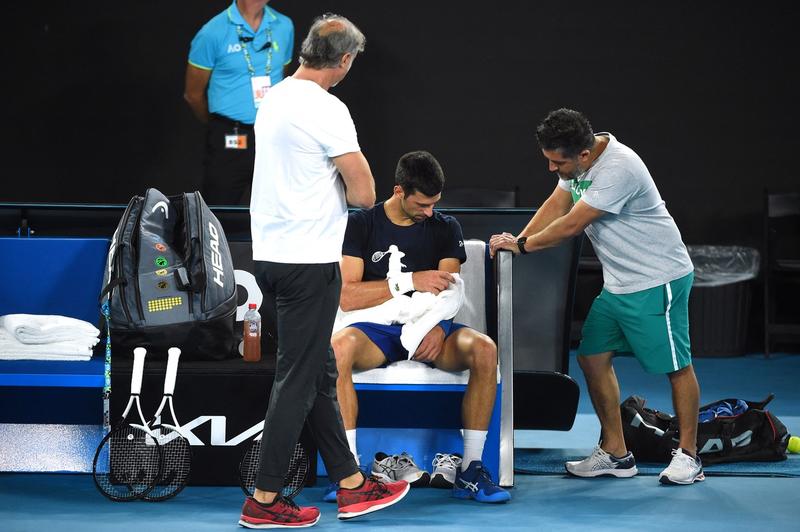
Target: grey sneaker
x,y
682,470
444,470
399,467
600,463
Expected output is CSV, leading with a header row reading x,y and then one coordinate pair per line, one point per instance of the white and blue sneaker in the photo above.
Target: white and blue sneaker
x,y
476,483
682,470
600,463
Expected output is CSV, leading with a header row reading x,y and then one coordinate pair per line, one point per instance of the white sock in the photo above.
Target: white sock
x,y
351,440
473,446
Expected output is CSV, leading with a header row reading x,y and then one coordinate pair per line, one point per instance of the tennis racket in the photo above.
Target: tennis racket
x,y
295,478
175,448
128,461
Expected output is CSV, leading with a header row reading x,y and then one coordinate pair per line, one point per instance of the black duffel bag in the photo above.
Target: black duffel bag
x,y
754,435
169,279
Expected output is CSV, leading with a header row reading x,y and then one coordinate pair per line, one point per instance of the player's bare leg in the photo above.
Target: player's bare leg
x,y
604,392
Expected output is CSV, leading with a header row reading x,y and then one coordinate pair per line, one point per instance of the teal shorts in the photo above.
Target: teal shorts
x,y
652,324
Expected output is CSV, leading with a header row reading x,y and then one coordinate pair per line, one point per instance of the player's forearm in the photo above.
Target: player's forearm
x,y
558,231
364,294
544,217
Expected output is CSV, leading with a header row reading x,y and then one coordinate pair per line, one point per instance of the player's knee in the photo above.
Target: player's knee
x,y
484,355
591,364
343,345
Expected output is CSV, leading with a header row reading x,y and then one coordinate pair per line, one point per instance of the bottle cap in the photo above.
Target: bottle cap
x,y
251,305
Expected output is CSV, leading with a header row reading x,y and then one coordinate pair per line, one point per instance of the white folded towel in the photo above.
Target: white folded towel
x,y
12,349
60,358
45,329
419,313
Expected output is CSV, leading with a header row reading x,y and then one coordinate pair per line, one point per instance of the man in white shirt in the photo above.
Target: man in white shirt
x,y
308,166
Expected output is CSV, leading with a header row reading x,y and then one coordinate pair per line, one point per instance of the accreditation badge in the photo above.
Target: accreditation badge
x,y
235,141
260,85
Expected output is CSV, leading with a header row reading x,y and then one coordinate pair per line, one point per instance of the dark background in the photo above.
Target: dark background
x,y
703,91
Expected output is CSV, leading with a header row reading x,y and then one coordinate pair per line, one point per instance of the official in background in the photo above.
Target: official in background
x,y
234,60
298,211
605,189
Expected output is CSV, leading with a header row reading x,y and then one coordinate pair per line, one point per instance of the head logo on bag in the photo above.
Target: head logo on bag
x,y
216,258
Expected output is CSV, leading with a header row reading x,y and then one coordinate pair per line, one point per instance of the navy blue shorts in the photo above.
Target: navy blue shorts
x,y
387,337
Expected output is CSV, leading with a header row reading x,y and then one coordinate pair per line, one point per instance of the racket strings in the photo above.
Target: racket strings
x,y
128,464
295,477
177,463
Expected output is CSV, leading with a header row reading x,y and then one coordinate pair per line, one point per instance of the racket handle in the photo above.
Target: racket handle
x,y
174,354
138,369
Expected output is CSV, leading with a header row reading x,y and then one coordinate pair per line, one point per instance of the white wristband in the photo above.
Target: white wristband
x,y
401,283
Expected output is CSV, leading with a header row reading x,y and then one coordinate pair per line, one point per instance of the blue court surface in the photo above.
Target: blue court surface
x,y
750,501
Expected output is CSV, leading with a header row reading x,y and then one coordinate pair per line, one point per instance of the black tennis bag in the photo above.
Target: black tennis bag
x,y
169,279
754,435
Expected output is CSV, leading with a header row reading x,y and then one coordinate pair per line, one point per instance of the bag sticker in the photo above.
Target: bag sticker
x,y
164,303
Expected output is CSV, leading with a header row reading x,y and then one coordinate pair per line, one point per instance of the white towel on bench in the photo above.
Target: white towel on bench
x,y
419,313
46,329
12,349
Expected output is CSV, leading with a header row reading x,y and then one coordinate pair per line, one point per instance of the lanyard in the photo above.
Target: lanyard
x,y
247,52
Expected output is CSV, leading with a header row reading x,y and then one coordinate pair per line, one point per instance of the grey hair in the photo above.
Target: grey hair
x,y
330,37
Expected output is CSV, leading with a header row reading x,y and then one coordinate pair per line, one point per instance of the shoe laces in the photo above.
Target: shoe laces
x,y
288,502
484,475
447,461
378,485
680,455
404,461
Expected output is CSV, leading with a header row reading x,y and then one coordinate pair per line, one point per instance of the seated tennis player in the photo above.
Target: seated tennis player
x,y
400,247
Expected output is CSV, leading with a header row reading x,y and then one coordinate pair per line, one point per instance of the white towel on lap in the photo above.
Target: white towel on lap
x,y
419,313
45,329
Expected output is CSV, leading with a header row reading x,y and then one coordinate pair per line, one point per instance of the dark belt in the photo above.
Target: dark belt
x,y
229,122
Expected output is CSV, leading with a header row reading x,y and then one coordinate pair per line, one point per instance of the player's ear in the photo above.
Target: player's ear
x,y
398,191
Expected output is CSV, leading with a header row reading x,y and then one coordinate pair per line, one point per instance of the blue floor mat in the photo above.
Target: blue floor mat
x,y
551,462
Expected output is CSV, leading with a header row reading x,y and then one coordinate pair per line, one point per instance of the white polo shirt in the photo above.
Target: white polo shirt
x,y
298,211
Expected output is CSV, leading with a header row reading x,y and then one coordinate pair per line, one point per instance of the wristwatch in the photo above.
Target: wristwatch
x,y
521,244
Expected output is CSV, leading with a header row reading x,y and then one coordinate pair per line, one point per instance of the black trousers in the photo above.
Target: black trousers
x,y
302,299
228,174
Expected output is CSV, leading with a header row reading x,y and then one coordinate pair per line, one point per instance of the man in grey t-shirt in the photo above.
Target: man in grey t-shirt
x,y
605,189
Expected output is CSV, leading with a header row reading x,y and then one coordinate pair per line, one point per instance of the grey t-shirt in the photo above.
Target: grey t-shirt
x,y
637,241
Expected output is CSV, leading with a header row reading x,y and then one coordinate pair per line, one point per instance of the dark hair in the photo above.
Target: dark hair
x,y
419,171
567,131
330,37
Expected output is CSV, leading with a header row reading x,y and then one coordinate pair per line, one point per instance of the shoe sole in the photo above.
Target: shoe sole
x,y
349,515
422,480
245,524
466,494
664,479
617,473
440,481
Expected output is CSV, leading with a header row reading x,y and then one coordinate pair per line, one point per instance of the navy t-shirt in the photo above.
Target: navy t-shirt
x,y
370,236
